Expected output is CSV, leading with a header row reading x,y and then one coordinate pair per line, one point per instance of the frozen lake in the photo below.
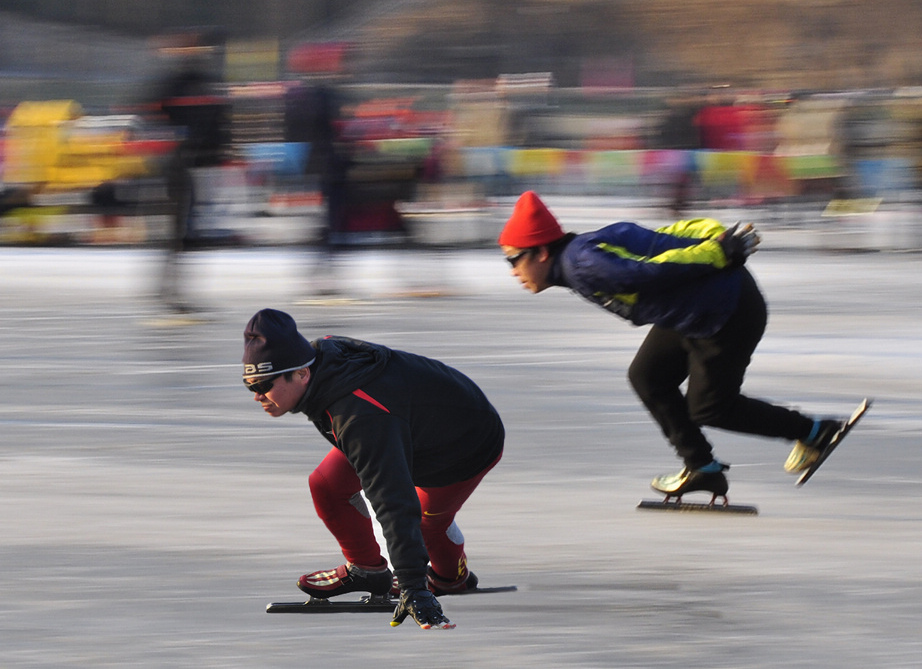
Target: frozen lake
x,y
151,510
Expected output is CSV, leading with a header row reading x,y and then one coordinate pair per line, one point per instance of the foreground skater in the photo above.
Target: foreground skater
x,y
415,435
687,281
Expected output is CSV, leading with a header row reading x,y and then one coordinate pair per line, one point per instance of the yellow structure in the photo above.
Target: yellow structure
x,y
52,146
36,133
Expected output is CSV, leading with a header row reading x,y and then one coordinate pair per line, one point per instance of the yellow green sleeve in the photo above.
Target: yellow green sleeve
x,y
697,228
708,252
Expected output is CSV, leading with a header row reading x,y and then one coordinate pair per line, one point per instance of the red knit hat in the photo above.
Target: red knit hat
x,y
531,224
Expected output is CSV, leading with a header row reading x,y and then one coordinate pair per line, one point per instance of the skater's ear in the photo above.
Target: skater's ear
x,y
303,376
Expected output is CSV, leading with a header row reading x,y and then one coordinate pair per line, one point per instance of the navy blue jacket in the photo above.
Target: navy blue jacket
x,y
674,277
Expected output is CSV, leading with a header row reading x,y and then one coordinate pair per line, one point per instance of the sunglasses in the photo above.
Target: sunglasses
x,y
262,386
514,260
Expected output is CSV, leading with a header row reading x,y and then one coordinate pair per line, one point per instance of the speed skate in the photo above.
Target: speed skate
x,y
847,426
366,603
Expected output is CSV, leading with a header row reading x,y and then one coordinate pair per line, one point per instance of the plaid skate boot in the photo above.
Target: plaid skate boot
x,y
348,578
709,478
438,586
806,452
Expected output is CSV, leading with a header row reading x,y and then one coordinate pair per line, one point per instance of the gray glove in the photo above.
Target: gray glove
x,y
738,243
425,609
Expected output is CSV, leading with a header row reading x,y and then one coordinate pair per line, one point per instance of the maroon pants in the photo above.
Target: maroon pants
x,y
335,489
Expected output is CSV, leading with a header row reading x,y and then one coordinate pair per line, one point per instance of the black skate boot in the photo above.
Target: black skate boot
x,y
439,586
709,478
806,452
348,578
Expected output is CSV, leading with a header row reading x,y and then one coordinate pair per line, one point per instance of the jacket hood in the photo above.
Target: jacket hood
x,y
343,365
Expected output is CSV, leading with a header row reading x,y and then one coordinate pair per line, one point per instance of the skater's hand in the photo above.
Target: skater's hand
x,y
425,609
738,243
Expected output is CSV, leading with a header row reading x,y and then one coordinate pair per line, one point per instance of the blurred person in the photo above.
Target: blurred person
x,y
688,281
415,435
728,125
724,126
189,99
313,116
678,131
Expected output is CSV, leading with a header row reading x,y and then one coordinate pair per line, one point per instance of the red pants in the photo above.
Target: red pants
x,y
335,489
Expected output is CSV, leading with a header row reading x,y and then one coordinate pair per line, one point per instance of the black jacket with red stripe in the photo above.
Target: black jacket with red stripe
x,y
402,420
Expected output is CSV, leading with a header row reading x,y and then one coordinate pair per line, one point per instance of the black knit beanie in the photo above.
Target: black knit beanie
x,y
272,345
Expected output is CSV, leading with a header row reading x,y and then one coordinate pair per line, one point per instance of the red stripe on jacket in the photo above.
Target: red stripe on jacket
x,y
361,394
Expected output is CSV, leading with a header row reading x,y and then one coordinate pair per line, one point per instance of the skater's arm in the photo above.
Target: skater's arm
x,y
628,259
696,228
379,448
737,243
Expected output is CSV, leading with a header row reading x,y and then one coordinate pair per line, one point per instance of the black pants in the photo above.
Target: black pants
x,y
181,193
715,368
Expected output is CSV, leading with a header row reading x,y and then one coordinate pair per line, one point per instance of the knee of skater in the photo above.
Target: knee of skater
x,y
317,483
637,380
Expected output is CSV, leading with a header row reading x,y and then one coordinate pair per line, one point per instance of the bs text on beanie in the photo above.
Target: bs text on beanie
x,y
273,345
531,224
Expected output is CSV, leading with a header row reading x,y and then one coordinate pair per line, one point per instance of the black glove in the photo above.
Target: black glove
x,y
425,609
738,243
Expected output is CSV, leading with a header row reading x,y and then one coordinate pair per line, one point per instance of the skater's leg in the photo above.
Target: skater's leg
x,y
657,372
717,367
335,489
181,191
443,537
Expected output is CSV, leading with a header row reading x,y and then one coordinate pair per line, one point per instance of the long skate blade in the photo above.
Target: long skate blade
x,y
660,505
487,590
317,605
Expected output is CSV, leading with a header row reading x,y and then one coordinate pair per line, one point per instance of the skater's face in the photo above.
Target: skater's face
x,y
283,395
529,266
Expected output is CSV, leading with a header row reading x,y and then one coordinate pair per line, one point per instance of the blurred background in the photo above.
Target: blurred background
x,y
417,122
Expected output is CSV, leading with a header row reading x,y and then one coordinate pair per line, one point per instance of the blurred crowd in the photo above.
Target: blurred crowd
x,y
359,157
